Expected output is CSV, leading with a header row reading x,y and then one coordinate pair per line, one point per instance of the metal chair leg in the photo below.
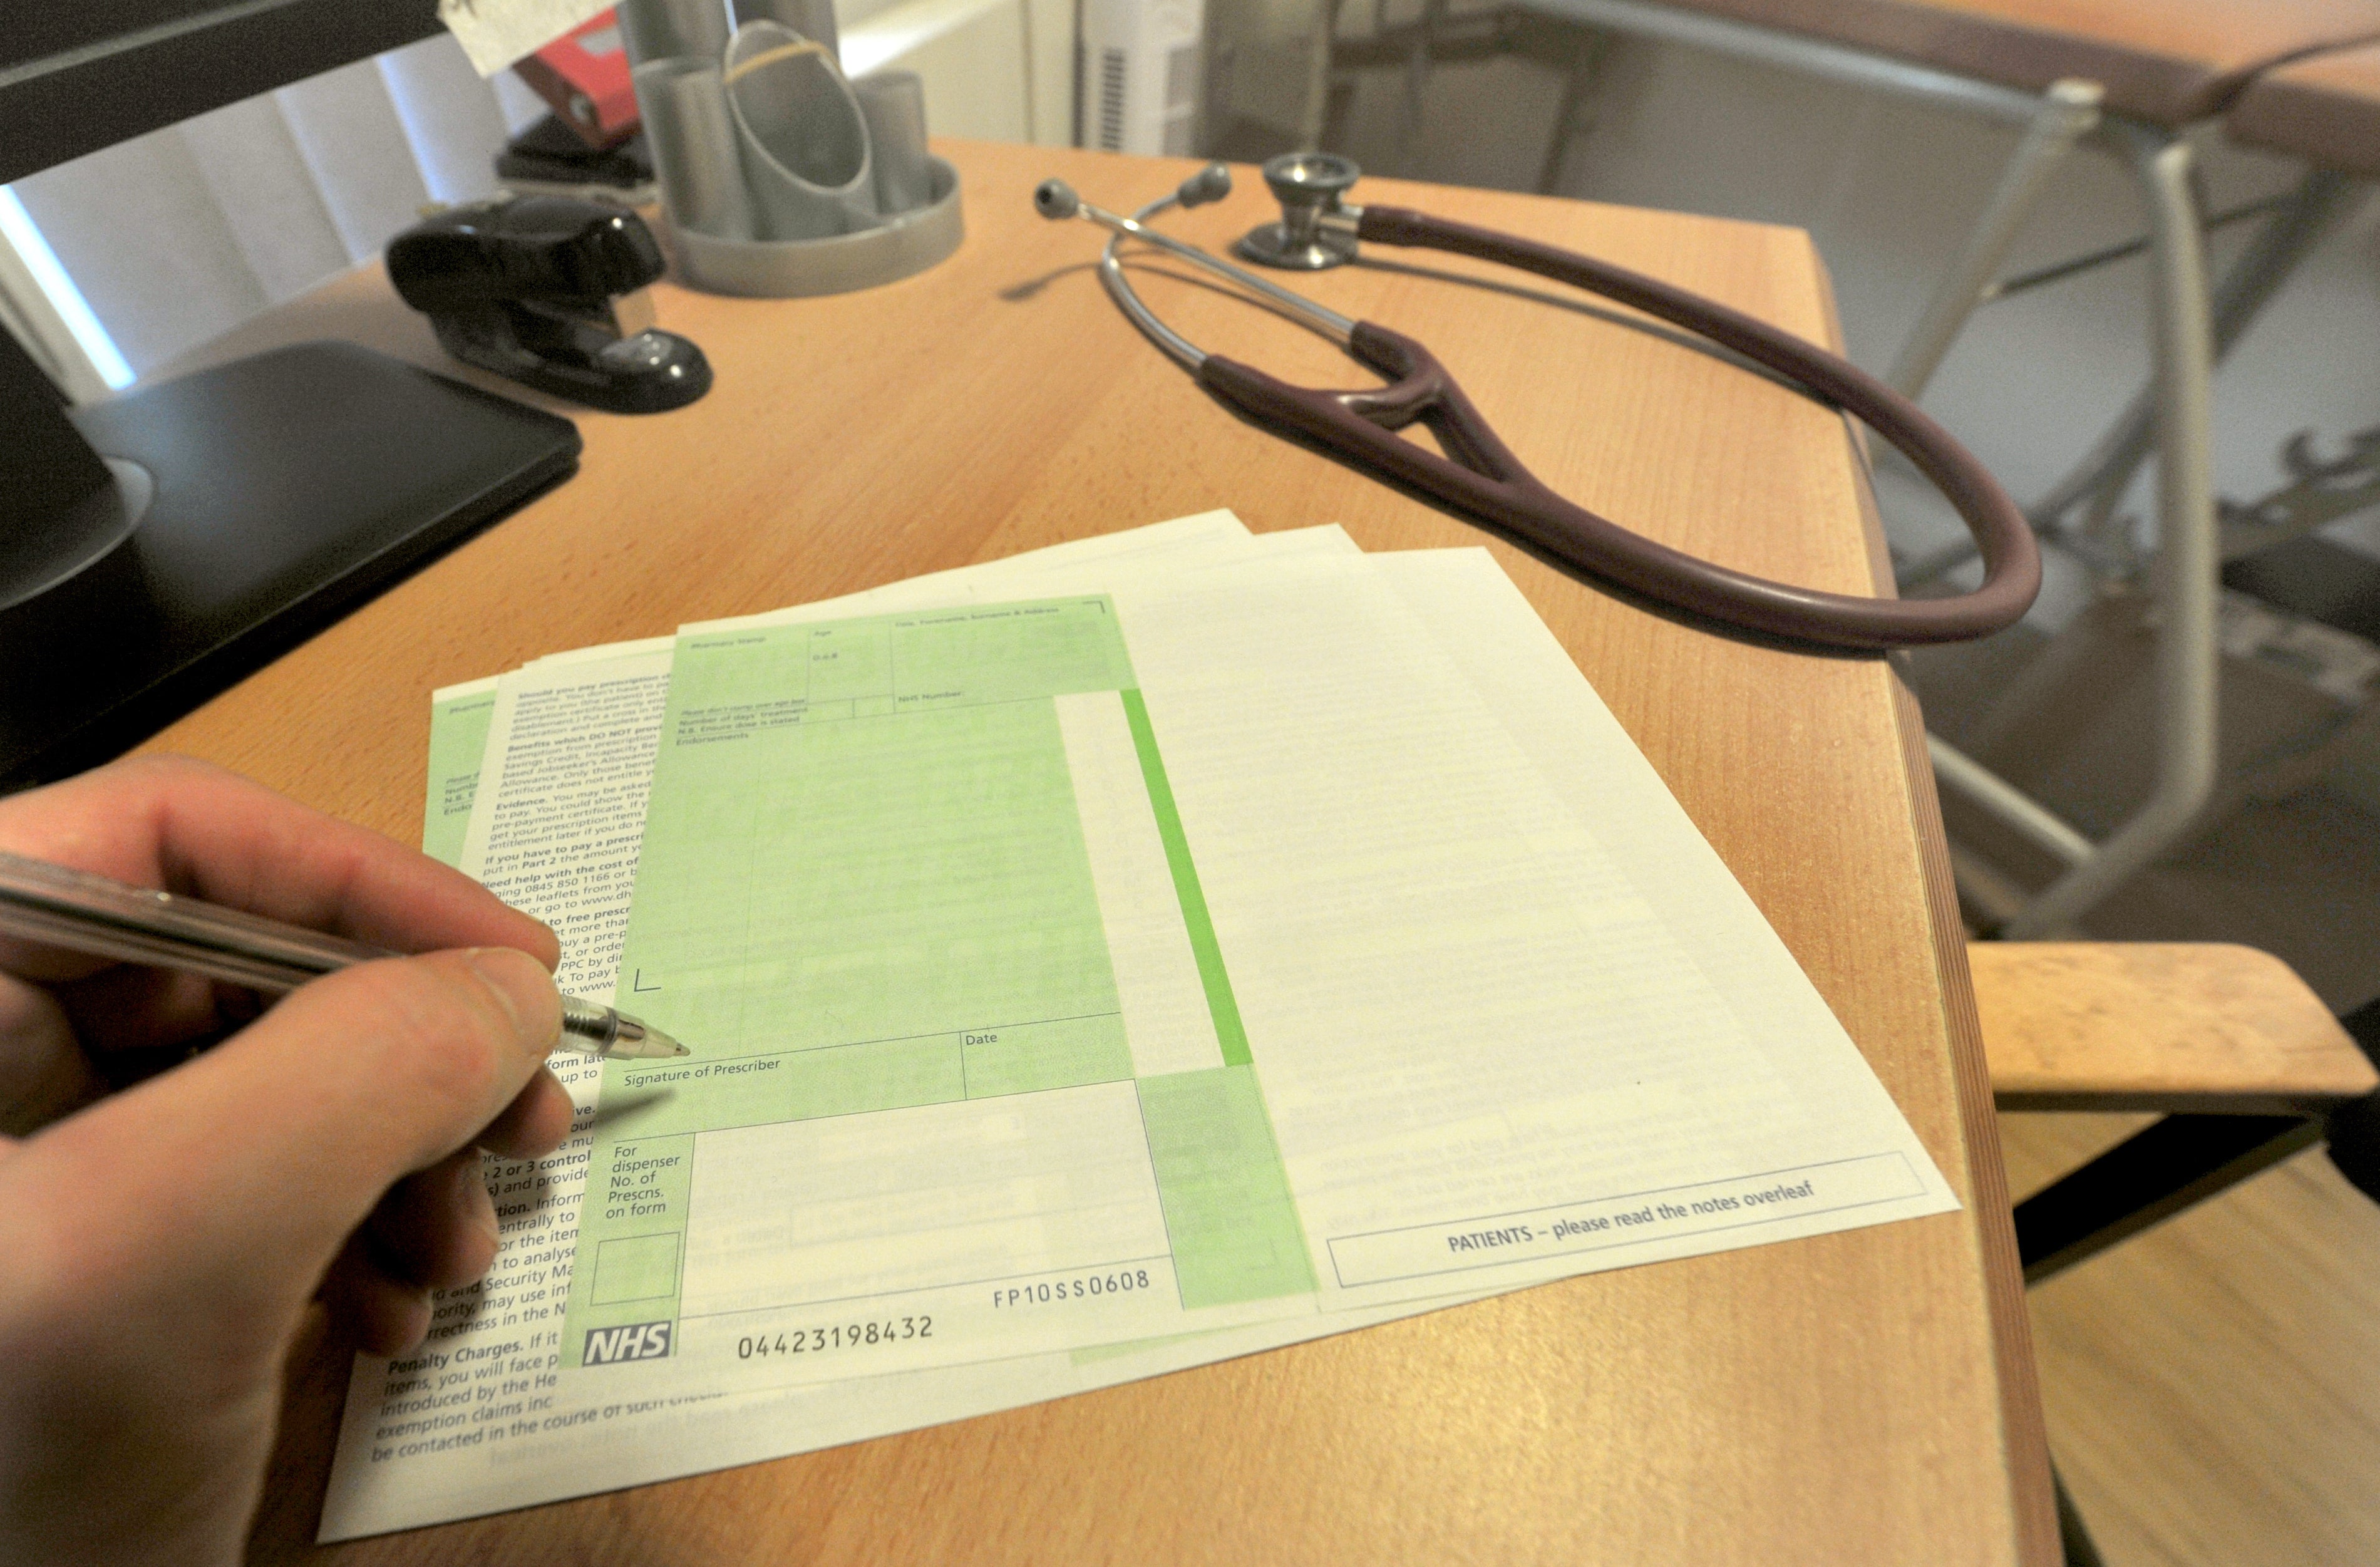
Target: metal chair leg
x,y
2043,828
1313,118
2191,333
2321,198
2098,480
2187,556
1578,85
2067,112
1418,74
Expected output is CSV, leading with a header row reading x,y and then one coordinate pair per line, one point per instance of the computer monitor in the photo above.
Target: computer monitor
x,y
161,545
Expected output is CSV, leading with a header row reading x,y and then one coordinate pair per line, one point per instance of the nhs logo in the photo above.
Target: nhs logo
x,y
645,1340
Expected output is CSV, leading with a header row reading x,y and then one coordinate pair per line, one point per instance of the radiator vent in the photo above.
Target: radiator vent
x,y
1111,79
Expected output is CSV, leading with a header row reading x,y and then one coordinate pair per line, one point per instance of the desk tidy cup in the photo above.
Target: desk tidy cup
x,y
799,129
779,175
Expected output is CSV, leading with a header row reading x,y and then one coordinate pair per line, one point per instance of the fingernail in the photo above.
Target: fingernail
x,y
526,990
472,1204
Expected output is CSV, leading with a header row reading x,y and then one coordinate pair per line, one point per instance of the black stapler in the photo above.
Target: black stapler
x,y
550,290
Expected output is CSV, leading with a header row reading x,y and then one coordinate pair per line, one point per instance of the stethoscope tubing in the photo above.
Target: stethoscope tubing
x,y
1481,479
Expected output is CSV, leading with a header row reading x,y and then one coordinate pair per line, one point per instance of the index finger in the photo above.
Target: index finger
x,y
194,829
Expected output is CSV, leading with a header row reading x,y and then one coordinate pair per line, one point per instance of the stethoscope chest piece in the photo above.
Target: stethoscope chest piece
x,y
1315,230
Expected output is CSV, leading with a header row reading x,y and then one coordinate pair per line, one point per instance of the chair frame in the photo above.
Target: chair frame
x,y
2191,329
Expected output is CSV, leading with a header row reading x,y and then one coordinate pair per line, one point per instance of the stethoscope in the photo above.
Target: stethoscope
x,y
1480,478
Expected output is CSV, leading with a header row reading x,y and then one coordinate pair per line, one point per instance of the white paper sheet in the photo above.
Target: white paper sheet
x,y
1551,746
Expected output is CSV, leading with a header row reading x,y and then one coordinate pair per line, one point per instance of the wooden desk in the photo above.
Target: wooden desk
x,y
1865,1397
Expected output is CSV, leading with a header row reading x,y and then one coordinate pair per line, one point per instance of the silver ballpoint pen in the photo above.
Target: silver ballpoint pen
x,y
79,912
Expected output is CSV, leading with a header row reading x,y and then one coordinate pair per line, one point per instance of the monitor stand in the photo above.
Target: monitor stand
x,y
157,547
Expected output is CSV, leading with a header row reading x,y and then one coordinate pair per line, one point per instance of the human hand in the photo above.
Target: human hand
x,y
159,1246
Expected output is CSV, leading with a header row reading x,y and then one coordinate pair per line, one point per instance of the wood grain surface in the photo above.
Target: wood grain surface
x,y
2172,1026
2209,1382
1863,1397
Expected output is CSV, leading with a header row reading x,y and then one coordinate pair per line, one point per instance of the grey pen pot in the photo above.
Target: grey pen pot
x,y
894,105
811,18
802,138
900,246
672,30
692,135
783,178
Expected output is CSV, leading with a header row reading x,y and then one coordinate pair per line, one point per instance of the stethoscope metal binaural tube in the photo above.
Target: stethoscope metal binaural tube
x,y
1056,199
1480,477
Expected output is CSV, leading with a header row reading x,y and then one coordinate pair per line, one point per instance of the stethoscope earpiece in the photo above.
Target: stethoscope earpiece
x,y
1209,184
1055,199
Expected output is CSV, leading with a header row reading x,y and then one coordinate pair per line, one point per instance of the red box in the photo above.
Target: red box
x,y
585,76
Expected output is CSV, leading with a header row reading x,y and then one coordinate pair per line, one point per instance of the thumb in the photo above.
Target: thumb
x,y
223,1188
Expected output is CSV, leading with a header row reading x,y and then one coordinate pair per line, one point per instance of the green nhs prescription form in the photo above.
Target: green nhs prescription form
x,y
973,1074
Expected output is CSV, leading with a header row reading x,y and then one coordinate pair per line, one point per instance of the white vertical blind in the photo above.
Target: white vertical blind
x,y
176,235
451,118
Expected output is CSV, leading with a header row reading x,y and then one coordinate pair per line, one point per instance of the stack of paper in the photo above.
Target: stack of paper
x,y
1101,961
